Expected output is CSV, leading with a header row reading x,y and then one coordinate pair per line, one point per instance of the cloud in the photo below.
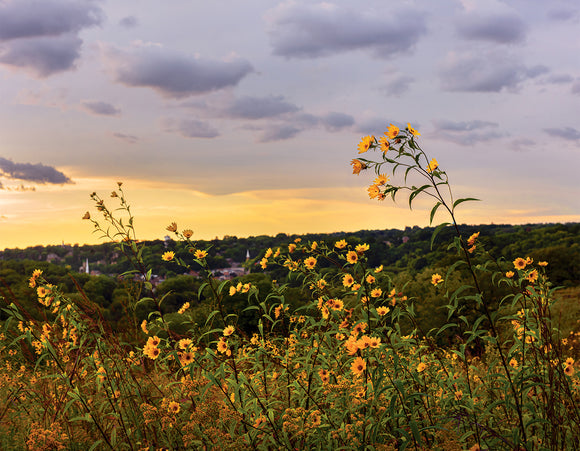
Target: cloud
x,y
558,79
42,56
100,108
259,107
29,18
398,85
130,139
191,128
465,132
522,144
334,122
567,133
499,28
564,14
374,126
462,126
173,75
576,87
279,133
38,173
129,22
485,72
20,188
41,37
315,30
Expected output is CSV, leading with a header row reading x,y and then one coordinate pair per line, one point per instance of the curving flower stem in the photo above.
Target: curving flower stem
x,y
486,311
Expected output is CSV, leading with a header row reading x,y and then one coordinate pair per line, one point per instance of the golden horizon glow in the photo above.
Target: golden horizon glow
x,y
53,215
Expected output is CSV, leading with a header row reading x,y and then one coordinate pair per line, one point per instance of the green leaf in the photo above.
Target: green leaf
x,y
465,199
438,228
433,210
416,193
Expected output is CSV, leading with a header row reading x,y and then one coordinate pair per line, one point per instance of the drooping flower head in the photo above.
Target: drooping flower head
x,y
373,191
365,144
412,130
384,144
357,166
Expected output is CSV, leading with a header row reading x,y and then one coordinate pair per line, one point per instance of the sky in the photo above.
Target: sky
x,y
241,118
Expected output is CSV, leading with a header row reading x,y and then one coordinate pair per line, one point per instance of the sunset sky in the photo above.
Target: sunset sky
x,y
241,118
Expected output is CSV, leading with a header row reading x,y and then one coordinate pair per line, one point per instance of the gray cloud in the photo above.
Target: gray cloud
x,y
398,85
564,14
130,139
172,75
374,126
334,122
462,126
38,173
497,28
42,56
129,22
488,72
465,132
576,87
314,30
100,108
567,133
279,133
260,107
522,144
29,18
191,128
558,79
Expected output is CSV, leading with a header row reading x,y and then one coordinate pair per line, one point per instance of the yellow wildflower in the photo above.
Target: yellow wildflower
x,y
168,256
360,248
352,257
310,262
519,263
373,191
436,279
432,165
382,311
347,280
392,131
365,144
472,238
172,227
228,331
381,180
199,254
358,366
340,244
187,233
384,144
357,166
412,130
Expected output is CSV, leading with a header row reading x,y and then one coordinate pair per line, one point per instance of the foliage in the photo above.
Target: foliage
x,y
348,364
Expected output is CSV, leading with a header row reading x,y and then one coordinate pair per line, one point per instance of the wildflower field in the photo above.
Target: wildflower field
x,y
349,368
